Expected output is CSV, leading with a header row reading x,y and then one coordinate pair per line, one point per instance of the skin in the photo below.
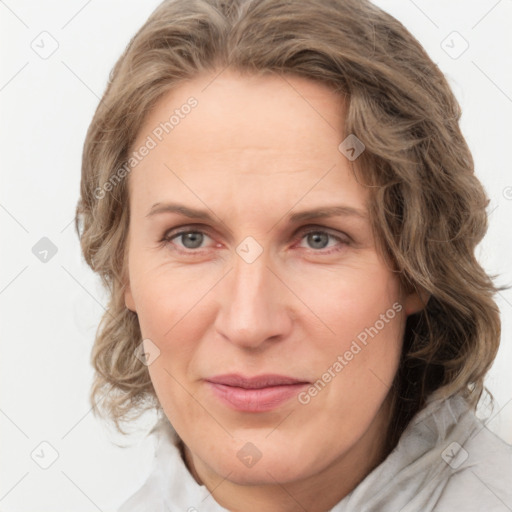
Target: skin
x,y
254,151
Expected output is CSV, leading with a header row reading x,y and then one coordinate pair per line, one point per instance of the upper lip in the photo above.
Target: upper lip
x,y
256,382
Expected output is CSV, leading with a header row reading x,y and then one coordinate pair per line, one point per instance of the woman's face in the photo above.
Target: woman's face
x,y
235,277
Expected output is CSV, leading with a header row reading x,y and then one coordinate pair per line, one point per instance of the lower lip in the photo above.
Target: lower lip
x,y
255,400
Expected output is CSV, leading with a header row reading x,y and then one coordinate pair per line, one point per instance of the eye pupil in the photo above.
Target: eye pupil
x,y
318,240
192,240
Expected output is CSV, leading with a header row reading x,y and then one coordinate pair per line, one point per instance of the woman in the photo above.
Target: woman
x,y
281,202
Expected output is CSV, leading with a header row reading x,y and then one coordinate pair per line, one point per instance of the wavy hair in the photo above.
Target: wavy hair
x,y
427,207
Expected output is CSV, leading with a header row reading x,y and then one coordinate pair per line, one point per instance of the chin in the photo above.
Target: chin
x,y
262,473
273,466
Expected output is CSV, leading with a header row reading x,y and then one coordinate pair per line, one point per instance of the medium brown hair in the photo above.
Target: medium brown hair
x,y
427,207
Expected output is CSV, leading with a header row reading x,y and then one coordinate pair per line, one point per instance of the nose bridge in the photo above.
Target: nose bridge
x,y
250,285
252,310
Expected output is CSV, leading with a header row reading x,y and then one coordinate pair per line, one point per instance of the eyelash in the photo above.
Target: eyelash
x,y
303,232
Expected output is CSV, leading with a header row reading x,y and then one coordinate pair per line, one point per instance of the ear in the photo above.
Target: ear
x,y
128,298
415,300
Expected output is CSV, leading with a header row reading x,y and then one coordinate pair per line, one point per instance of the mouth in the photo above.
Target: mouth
x,y
255,394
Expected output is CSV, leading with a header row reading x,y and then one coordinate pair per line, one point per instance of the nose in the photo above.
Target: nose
x,y
255,308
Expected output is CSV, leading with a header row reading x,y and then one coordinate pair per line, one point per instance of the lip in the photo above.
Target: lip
x,y
260,393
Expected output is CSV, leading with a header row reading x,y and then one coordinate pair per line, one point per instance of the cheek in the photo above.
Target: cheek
x,y
350,300
166,297
173,313
357,360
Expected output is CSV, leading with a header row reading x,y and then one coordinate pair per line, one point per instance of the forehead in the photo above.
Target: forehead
x,y
233,131
244,111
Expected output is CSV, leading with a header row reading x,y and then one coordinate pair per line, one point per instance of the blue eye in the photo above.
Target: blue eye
x,y
189,239
319,239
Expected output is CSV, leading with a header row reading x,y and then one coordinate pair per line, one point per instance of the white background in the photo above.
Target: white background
x,y
50,310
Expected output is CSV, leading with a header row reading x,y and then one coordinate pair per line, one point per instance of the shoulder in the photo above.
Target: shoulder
x,y
446,460
147,495
170,486
166,466
480,474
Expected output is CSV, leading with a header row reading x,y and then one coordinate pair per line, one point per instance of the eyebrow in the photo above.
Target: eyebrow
x,y
316,213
